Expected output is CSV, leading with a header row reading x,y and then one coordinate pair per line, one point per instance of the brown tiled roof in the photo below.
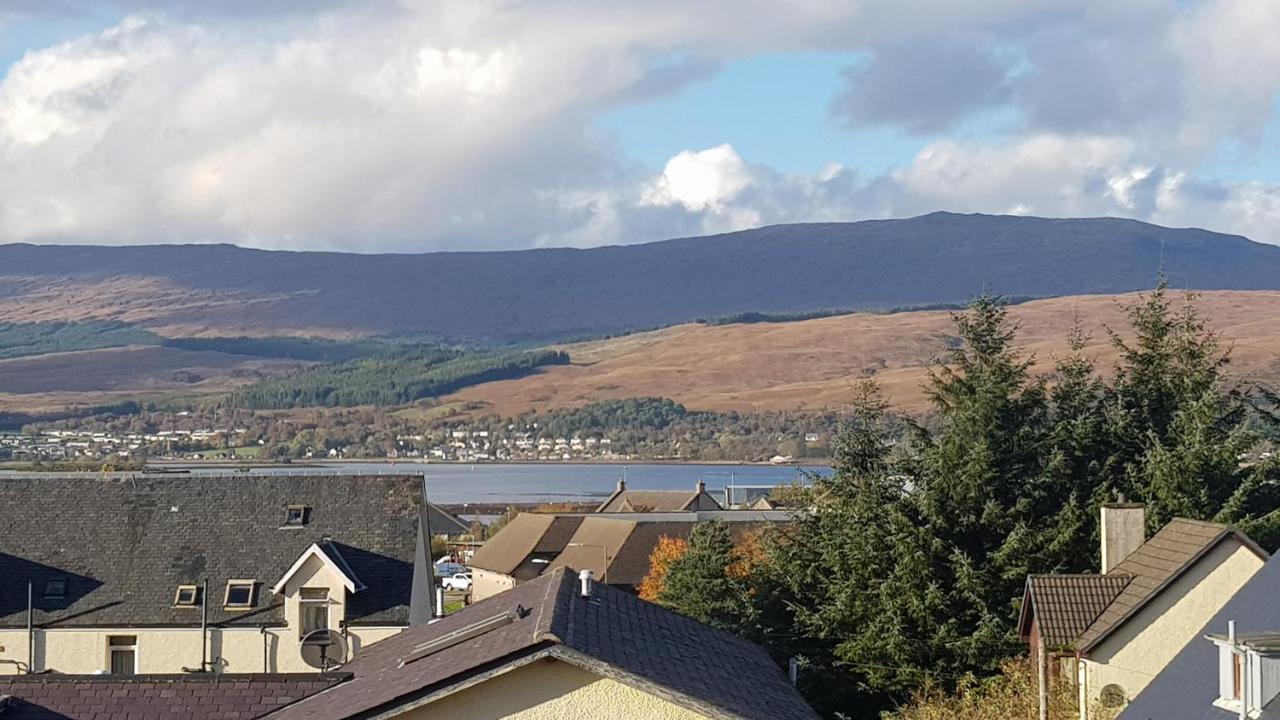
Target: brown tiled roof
x,y
1064,606
155,697
612,633
658,501
595,546
505,551
1154,565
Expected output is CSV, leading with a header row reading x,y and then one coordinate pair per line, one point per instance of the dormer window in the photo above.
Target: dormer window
x,y
239,594
1248,670
55,589
297,515
186,596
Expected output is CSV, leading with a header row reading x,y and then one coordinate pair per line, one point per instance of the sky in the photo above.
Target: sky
x,y
406,126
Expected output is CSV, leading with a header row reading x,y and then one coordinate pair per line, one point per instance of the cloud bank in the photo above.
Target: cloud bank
x,y
408,126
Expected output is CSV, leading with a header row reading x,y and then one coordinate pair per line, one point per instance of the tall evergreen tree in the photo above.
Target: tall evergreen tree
x,y
699,583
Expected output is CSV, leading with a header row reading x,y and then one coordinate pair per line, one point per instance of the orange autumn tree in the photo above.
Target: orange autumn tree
x,y
667,551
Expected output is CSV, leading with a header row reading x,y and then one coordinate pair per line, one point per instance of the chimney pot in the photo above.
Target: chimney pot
x,y
1123,530
586,577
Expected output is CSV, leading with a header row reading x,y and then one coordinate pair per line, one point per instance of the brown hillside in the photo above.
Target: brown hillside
x,y
810,364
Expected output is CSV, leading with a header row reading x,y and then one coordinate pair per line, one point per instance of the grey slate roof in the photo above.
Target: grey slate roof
x,y
124,544
154,697
443,522
1188,685
612,633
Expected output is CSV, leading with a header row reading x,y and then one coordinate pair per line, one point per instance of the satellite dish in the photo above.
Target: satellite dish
x,y
324,649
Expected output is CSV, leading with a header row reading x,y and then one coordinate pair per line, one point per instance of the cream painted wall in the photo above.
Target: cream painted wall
x,y
547,689
1141,648
168,650
487,583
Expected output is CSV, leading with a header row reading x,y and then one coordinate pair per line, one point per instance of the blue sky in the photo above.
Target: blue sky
x,y
396,125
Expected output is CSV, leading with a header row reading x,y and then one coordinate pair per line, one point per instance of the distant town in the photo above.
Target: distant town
x,y
444,445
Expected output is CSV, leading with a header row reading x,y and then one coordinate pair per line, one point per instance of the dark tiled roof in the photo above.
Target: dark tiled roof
x,y
443,522
612,633
1156,563
154,697
124,544
1188,685
1064,606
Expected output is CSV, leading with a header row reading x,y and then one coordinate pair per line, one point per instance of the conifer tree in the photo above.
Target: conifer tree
x,y
699,583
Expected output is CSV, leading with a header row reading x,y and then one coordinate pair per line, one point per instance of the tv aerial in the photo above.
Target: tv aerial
x,y
324,649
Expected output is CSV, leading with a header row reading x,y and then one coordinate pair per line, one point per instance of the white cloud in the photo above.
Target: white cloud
x,y
470,123
700,180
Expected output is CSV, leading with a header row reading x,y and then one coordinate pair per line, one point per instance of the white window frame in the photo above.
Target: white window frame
x,y
112,649
303,511
226,596
195,596
305,604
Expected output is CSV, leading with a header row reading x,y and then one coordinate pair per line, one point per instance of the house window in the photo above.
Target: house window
x,y
239,594
122,654
55,589
296,515
1237,676
186,596
314,609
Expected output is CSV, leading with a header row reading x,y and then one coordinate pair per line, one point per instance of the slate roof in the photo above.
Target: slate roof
x,y
1154,565
443,522
1188,685
123,544
154,697
612,633
1064,606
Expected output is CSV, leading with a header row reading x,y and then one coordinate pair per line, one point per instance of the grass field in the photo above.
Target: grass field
x,y
811,364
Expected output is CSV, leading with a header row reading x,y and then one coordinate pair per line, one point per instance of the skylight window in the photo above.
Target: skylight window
x,y
296,515
186,596
55,589
239,594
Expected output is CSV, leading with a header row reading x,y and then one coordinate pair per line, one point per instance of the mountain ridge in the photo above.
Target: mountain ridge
x,y
548,294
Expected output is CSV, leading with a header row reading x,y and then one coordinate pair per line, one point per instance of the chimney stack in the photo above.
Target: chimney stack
x,y
622,484
586,577
701,487
1124,529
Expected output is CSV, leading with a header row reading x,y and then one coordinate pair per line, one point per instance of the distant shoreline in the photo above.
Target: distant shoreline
x,y
818,462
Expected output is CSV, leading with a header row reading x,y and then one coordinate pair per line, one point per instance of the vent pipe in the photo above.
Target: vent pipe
x,y
586,578
439,608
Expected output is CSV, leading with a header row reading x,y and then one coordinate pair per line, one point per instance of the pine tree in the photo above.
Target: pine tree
x,y
699,583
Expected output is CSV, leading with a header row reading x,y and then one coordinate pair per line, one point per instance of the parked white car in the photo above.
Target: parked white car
x,y
457,581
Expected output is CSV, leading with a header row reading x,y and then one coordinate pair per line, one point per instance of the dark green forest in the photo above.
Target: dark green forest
x,y
38,338
393,380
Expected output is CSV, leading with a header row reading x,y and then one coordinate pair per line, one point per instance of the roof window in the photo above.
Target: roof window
x,y
297,516
55,589
186,596
239,594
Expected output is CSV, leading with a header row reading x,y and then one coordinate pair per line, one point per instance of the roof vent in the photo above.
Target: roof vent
x,y
463,634
586,577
